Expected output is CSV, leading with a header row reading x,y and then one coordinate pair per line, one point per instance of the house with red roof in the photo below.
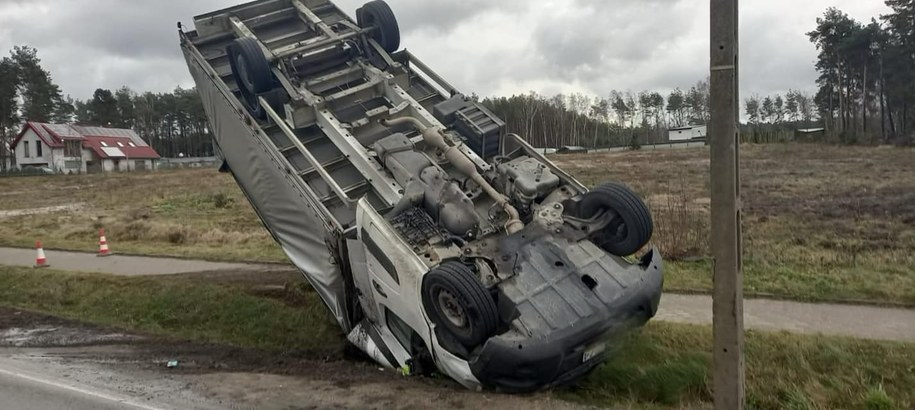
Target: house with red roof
x,y
69,149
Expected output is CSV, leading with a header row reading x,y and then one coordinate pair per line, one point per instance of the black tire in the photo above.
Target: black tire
x,y
630,230
276,98
377,13
456,301
251,71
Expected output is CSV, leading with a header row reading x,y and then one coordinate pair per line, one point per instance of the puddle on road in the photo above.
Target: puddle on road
x,y
58,336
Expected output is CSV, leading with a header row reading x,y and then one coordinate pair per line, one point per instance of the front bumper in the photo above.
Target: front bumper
x,y
511,363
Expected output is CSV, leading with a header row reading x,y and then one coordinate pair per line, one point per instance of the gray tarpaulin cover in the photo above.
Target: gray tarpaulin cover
x,y
279,202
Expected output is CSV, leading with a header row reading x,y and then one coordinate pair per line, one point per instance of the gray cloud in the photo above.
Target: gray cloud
x,y
489,47
443,16
596,38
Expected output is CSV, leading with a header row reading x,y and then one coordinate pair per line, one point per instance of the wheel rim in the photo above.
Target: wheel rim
x,y
450,307
617,229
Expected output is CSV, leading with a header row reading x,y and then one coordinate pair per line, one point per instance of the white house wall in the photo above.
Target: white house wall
x,y
686,134
57,160
124,165
87,156
147,165
69,165
32,160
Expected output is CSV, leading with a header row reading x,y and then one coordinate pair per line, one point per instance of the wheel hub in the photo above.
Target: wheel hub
x,y
617,228
452,310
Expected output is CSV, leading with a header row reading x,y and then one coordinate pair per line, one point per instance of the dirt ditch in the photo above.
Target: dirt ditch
x,y
213,376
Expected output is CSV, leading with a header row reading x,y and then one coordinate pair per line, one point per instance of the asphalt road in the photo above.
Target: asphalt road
x,y
116,264
19,391
71,378
64,378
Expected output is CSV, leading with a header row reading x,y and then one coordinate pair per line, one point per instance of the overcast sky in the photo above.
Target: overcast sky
x,y
489,47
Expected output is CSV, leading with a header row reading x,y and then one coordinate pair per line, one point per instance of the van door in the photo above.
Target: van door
x,y
393,272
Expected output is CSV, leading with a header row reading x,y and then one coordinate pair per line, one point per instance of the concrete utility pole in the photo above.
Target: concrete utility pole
x,y
728,361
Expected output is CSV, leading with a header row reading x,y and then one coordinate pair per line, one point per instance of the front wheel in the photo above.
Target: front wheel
x,y
456,301
631,227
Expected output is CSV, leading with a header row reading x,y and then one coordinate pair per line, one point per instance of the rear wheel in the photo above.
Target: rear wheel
x,y
455,300
631,227
378,14
251,71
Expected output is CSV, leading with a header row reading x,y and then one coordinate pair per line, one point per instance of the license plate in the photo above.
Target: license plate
x,y
593,351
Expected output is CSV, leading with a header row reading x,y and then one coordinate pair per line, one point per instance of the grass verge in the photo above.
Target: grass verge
x,y
664,365
188,309
668,365
896,286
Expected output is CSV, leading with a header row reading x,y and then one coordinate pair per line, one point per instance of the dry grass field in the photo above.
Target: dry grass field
x,y
820,222
196,213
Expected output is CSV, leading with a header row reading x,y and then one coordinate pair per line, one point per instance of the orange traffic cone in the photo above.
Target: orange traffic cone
x,y
102,244
40,260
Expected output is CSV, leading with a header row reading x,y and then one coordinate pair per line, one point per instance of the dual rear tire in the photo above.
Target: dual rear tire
x,y
255,78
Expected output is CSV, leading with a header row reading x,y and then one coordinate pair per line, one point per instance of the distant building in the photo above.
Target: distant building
x,y
76,149
690,132
809,134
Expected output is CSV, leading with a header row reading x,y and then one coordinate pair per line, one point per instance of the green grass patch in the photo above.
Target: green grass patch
x,y
878,283
185,308
878,399
688,275
668,365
